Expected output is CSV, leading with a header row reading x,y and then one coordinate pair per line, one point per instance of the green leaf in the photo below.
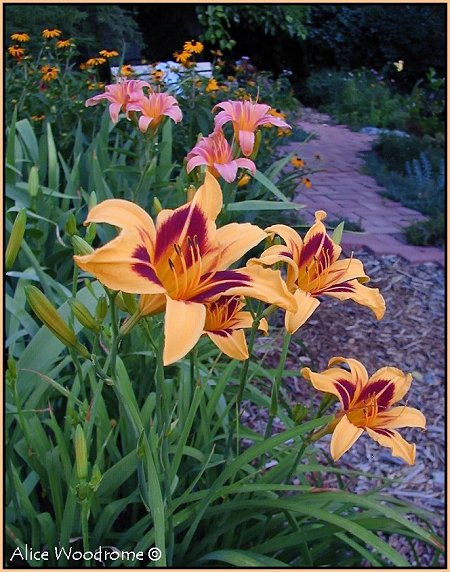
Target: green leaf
x,y
260,205
267,183
338,232
10,175
28,137
245,559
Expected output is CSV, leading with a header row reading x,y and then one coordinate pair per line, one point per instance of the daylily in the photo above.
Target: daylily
x,y
215,152
314,270
154,108
224,325
246,118
185,259
367,406
119,95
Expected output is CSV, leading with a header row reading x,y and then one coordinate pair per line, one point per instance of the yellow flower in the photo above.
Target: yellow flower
x,y
367,406
283,132
157,75
182,57
61,44
38,117
297,162
94,62
244,180
16,51
314,269
108,53
193,47
181,263
307,182
126,70
20,37
399,65
212,85
49,73
51,33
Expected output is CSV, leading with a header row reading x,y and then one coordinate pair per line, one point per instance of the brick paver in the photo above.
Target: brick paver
x,y
342,190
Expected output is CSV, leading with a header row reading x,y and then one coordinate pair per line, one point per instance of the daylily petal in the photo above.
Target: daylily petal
x,y
235,239
398,417
149,305
144,122
196,161
335,380
245,320
315,239
393,440
246,164
228,171
360,294
230,342
389,384
123,264
358,371
246,141
292,239
183,327
114,110
306,304
344,436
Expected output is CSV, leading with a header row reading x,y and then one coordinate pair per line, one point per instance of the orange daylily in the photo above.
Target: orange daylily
x,y
224,325
314,269
183,258
367,406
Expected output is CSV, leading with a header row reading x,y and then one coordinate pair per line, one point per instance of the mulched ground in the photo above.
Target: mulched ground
x,y
411,336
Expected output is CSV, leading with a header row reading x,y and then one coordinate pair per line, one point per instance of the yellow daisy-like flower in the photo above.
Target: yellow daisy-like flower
x,y
297,162
95,62
126,70
16,51
193,47
61,44
51,33
212,85
49,73
108,53
38,117
157,75
307,182
182,57
20,37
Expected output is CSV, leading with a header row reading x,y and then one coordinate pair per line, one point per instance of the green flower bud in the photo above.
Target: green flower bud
x,y
91,233
102,308
48,314
71,224
83,315
95,478
15,240
81,456
33,181
80,246
92,200
299,412
157,206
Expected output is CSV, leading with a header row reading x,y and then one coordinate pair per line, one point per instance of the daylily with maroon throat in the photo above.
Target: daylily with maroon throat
x,y
154,108
119,95
246,117
367,406
215,152
181,264
314,269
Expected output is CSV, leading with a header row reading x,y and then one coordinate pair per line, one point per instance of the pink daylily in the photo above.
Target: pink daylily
x,y
154,108
246,118
119,95
215,152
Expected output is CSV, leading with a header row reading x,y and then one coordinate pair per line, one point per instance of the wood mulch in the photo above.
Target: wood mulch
x,y
411,336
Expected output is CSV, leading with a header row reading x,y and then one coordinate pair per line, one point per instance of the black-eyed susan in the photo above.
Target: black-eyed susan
x,y
317,156
49,33
109,53
212,85
157,75
193,47
92,62
49,73
126,70
64,44
16,51
307,182
297,162
182,57
20,37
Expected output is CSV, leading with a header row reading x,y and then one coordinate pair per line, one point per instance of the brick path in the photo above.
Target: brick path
x,y
342,190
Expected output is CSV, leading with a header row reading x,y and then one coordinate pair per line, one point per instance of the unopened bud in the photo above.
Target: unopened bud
x,y
157,206
71,224
92,200
299,412
81,456
80,246
91,233
33,181
83,315
102,308
244,180
95,478
129,302
15,240
48,314
190,193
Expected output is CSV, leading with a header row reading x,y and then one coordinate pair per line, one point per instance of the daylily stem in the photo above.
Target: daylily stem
x,y
276,385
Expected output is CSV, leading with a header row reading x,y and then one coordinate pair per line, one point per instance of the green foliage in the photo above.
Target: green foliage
x,y
271,20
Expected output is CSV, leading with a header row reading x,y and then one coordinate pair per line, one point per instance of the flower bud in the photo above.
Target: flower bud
x,y
244,180
91,233
81,457
92,200
129,301
190,193
15,240
95,478
33,181
299,412
80,246
48,314
102,308
157,206
83,315
71,225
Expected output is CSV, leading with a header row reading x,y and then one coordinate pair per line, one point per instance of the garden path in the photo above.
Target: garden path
x,y
341,189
